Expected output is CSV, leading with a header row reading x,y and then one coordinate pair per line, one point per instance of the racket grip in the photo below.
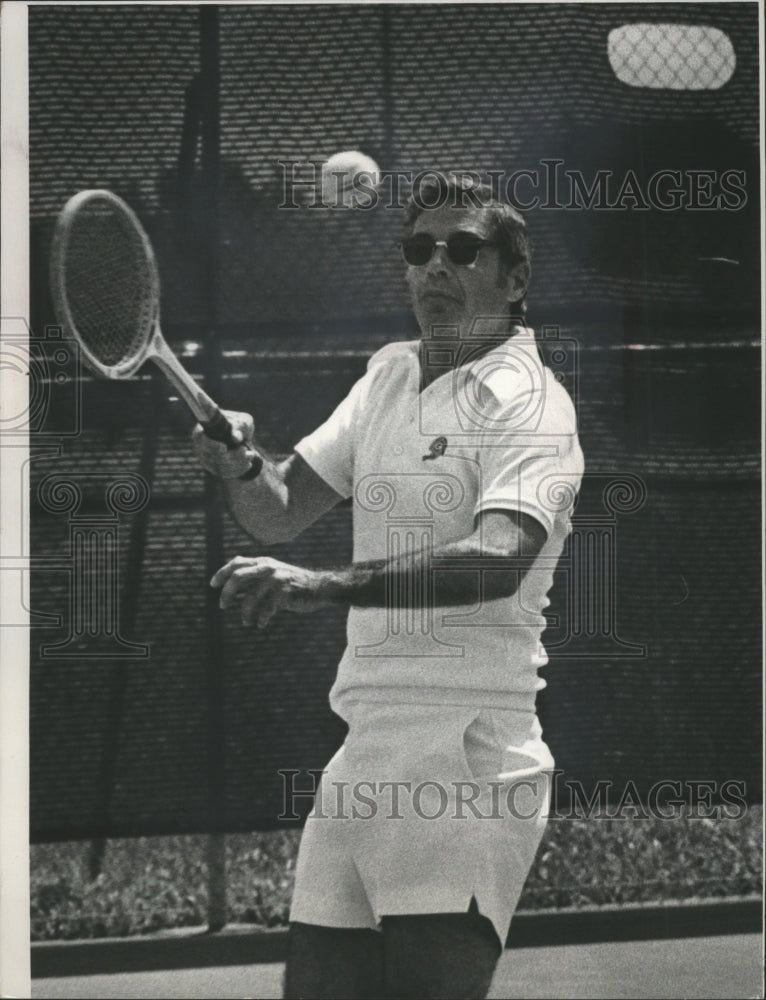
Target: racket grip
x,y
219,429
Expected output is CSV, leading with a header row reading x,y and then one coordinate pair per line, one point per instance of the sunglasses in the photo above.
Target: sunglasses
x,y
462,248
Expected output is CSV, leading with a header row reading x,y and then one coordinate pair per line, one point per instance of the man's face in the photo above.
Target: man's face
x,y
445,294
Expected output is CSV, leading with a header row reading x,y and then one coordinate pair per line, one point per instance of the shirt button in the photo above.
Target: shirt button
x,y
398,450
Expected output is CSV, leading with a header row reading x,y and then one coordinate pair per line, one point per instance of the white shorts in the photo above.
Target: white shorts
x,y
423,808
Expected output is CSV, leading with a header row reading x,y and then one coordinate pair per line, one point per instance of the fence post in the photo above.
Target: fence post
x,y
215,661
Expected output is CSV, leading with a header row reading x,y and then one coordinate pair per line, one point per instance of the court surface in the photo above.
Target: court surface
x,y
725,966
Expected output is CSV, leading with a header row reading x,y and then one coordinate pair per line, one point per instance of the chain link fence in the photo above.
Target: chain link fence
x,y
123,733
671,56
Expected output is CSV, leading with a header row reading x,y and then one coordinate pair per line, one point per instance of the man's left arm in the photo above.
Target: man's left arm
x,y
504,540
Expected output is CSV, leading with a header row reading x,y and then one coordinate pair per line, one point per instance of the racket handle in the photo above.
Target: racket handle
x,y
219,429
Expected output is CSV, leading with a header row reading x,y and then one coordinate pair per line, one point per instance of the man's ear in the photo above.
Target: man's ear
x,y
518,281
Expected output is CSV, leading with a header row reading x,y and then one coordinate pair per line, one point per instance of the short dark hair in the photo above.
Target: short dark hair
x,y
435,189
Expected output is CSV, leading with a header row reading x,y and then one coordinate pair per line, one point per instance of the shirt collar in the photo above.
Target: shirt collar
x,y
521,339
493,370
514,360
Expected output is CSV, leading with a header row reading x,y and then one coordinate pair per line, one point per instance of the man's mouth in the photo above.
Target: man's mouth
x,y
437,294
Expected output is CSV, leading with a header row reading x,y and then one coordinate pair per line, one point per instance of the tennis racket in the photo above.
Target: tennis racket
x,y
106,293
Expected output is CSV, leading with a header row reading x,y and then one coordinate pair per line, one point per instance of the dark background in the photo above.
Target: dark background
x,y
186,113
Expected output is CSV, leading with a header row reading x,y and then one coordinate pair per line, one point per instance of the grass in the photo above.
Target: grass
x,y
150,884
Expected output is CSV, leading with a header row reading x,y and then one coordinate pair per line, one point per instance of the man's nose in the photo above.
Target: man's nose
x,y
439,262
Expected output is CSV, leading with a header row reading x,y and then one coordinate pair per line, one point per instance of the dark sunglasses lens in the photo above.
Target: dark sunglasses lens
x,y
463,248
417,250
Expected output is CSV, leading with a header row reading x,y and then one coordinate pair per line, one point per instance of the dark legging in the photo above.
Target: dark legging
x,y
439,955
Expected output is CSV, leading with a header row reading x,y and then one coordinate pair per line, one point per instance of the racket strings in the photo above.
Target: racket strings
x,y
110,284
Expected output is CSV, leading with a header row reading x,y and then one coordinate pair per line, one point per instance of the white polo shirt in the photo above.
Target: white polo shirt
x,y
498,432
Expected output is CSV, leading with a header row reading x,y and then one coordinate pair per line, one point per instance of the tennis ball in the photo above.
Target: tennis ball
x,y
349,180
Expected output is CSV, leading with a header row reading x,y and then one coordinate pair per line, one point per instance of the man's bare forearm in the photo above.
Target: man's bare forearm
x,y
261,506
448,576
284,498
484,566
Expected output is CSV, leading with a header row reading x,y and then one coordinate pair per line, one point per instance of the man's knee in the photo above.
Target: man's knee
x,y
332,963
444,955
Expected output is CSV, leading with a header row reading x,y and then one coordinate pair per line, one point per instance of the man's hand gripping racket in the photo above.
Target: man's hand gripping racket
x,y
106,292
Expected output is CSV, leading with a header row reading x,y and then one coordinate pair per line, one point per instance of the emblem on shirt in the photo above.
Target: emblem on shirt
x,y
436,448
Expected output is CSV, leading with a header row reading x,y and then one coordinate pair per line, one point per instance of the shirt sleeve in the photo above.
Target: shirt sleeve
x,y
535,472
329,450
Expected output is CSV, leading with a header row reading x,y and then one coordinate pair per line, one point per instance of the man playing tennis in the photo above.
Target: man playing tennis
x,y
460,452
